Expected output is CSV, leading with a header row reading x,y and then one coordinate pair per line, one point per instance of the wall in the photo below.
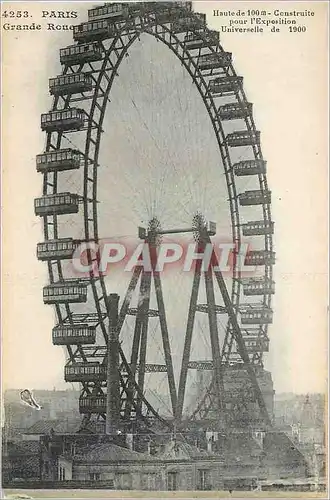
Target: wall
x,y
154,476
124,476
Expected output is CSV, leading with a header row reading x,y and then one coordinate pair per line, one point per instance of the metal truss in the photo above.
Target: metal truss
x,y
134,405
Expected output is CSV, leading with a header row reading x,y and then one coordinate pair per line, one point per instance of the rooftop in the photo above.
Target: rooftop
x,y
180,450
24,448
109,452
58,426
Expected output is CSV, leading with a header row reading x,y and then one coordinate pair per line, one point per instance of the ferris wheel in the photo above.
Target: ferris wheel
x,y
151,134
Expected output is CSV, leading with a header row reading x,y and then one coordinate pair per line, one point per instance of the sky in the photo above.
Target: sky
x,y
155,105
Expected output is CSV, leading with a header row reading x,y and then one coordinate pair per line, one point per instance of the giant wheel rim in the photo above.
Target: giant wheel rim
x,y
106,75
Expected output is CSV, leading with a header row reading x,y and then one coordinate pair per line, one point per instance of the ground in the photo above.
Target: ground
x,y
132,495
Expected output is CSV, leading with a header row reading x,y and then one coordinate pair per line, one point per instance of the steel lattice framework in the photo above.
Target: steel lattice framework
x,y
89,70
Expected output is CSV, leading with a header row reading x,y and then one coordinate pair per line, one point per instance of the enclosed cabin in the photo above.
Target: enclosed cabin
x,y
201,40
111,11
57,249
56,204
81,53
94,30
235,111
259,258
92,404
226,85
72,83
136,9
255,197
213,61
56,161
181,5
257,286
243,138
254,340
249,167
71,119
258,228
167,12
192,22
85,372
65,293
256,314
74,334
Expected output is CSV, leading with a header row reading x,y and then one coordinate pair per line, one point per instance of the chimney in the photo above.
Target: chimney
x,y
130,441
113,389
209,440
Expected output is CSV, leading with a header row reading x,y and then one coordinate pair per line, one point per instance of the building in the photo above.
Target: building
x,y
55,453
235,461
302,418
21,462
56,405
